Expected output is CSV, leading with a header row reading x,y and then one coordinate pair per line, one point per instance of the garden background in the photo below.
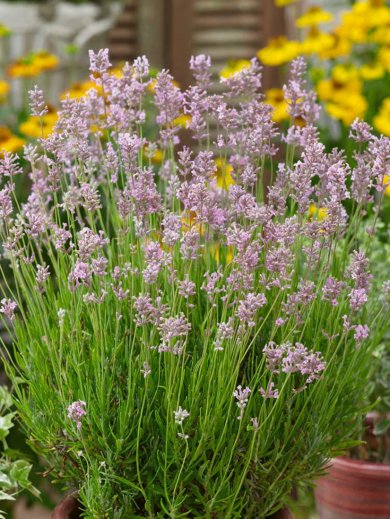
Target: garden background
x,y
346,45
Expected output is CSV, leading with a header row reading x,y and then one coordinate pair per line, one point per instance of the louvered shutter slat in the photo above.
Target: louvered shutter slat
x,y
123,39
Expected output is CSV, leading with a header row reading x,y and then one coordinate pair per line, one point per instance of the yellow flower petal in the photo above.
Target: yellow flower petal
x,y
340,47
4,89
345,73
381,121
45,60
233,67
314,16
4,31
316,42
279,50
223,174
347,108
275,98
182,120
79,90
9,142
372,71
386,183
318,213
283,3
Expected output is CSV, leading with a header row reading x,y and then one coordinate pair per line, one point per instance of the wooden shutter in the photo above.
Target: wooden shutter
x,y
123,38
227,30
224,29
170,31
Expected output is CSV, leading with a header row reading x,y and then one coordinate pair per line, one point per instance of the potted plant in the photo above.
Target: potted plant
x,y
358,486
185,345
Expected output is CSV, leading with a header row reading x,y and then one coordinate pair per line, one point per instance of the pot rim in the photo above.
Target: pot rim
x,y
369,468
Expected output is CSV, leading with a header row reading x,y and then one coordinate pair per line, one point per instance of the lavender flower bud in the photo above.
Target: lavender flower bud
x,y
76,411
180,415
99,62
37,102
8,308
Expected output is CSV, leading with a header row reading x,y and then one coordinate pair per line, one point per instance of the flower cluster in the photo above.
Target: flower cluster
x,y
288,358
143,283
76,411
349,56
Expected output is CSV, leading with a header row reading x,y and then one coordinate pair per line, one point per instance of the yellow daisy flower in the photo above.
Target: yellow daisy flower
x,y
4,31
78,90
284,3
223,174
341,46
156,157
219,252
275,98
347,108
233,67
386,182
23,68
188,221
44,60
313,16
345,73
182,120
279,50
372,71
318,213
117,72
316,41
328,89
4,89
381,121
9,142
381,35
32,127
384,57
376,14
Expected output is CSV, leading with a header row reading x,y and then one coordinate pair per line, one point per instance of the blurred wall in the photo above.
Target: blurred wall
x,y
170,31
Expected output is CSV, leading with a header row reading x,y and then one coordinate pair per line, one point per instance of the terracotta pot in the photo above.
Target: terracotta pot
x,y
282,514
354,489
67,509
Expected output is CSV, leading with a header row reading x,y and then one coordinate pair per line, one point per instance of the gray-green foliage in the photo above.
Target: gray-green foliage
x,y
379,252
148,399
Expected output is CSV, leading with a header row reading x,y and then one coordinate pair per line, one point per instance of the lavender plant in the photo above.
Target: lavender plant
x,y
190,342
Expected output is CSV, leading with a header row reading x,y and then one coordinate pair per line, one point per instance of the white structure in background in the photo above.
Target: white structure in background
x,y
294,10
85,26
53,26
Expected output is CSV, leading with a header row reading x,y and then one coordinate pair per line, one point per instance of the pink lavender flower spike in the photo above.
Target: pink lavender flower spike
x,y
8,308
38,106
200,66
270,392
99,62
76,411
180,415
362,332
242,397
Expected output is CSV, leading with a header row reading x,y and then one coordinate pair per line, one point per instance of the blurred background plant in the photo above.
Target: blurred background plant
x,y
14,470
349,64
